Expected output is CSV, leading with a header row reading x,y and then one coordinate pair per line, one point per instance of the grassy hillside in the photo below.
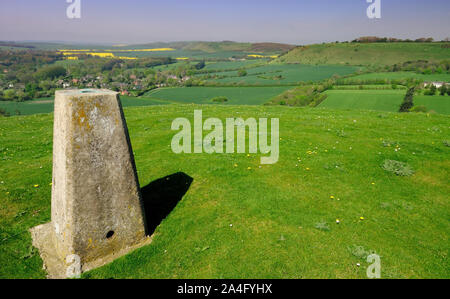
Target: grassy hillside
x,y
366,53
238,220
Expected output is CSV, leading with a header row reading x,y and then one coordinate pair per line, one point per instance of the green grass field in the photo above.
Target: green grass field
x,y
45,105
204,95
283,216
366,53
382,100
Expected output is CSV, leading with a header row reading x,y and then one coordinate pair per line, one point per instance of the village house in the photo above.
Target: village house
x,y
436,84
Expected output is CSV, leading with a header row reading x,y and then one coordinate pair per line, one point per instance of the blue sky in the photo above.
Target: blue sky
x,y
289,21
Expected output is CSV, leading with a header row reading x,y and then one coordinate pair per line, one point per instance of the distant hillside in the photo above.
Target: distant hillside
x,y
271,47
208,47
15,45
211,47
366,53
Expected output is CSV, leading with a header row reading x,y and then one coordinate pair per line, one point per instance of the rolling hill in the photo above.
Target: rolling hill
x,y
366,54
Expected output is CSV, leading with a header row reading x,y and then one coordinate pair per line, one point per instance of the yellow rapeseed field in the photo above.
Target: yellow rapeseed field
x,y
262,56
70,53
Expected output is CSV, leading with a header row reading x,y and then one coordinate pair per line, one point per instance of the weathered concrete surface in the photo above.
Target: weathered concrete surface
x,y
97,212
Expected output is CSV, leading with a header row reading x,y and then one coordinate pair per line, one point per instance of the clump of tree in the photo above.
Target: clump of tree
x,y
408,101
304,95
200,65
376,39
443,90
421,66
431,91
51,72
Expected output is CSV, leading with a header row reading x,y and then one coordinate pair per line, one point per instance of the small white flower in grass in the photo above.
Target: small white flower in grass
x,y
358,264
231,225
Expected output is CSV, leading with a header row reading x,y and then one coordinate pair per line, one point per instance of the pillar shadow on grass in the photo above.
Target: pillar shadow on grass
x,y
160,197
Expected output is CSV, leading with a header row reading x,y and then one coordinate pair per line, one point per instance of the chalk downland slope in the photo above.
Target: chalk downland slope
x,y
366,53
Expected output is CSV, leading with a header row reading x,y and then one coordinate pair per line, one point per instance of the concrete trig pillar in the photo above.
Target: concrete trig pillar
x,y
97,212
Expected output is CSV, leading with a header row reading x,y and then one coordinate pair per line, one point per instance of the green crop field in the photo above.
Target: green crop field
x,y
279,74
225,65
366,53
382,100
46,105
240,220
403,75
204,95
439,104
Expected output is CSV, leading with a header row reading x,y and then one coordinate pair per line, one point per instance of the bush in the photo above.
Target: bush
x,y
242,73
399,168
3,112
220,99
419,109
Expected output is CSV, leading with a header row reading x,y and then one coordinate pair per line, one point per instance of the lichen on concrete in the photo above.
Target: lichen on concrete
x,y
97,210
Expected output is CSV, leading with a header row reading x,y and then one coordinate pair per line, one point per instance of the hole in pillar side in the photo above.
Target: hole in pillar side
x,y
109,234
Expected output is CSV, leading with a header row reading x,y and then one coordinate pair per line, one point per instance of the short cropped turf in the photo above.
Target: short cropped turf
x,y
240,219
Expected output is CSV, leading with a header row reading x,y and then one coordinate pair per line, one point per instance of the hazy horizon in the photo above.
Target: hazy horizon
x,y
284,21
